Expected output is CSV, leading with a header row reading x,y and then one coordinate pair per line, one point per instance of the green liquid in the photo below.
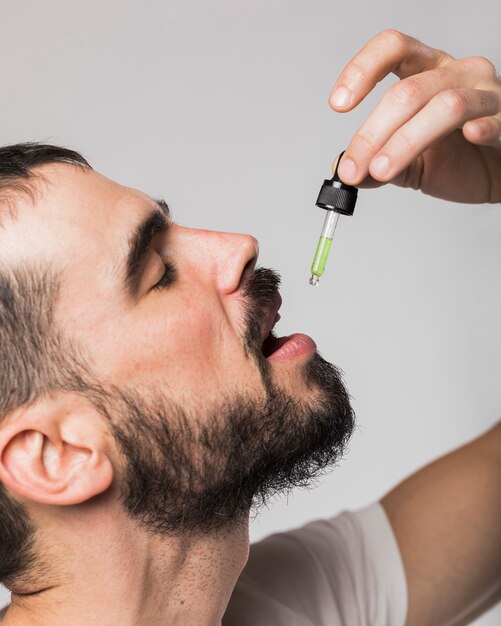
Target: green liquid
x,y
321,255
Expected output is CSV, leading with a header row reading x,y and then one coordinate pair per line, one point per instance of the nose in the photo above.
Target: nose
x,y
223,258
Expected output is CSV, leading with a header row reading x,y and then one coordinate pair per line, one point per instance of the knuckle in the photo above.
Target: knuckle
x,y
406,142
393,38
455,101
353,73
483,65
365,141
406,92
442,72
488,101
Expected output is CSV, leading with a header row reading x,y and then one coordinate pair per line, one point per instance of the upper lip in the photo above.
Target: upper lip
x,y
270,320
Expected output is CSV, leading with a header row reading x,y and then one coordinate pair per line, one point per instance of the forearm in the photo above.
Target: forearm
x,y
447,520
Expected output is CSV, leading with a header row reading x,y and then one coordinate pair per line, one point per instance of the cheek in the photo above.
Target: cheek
x,y
189,351
196,356
176,342
188,348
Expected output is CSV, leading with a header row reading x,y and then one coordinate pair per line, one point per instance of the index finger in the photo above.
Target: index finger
x,y
386,53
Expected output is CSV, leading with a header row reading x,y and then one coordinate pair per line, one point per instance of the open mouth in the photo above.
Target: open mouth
x,y
276,348
270,342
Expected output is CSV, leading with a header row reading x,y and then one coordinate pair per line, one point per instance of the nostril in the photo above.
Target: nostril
x,y
247,271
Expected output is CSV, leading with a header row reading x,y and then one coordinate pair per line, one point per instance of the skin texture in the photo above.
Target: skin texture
x,y
437,130
60,459
194,360
447,520
58,456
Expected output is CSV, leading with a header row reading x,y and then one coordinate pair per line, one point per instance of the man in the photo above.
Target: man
x,y
146,402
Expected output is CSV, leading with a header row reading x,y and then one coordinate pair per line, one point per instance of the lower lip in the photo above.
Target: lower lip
x,y
297,345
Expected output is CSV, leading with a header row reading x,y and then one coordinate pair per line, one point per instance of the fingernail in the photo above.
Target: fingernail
x,y
347,169
380,165
340,97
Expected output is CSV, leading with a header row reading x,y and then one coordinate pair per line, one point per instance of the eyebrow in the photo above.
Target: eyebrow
x,y
156,221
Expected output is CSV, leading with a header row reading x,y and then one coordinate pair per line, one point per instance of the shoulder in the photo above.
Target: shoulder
x,y
323,573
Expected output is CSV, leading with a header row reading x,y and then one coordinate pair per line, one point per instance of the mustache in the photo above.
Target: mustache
x,y
259,293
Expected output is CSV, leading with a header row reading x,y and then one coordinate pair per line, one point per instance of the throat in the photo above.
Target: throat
x,y
152,565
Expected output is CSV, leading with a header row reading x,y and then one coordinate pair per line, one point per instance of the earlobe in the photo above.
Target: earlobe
x,y
55,456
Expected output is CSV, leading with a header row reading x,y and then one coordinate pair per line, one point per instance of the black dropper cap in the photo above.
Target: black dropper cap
x,y
337,196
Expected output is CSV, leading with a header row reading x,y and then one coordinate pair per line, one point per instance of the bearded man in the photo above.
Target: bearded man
x,y
146,404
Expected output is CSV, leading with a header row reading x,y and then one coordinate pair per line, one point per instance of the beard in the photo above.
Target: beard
x,y
202,469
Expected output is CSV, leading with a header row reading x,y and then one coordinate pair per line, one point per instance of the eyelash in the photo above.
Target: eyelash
x,y
169,276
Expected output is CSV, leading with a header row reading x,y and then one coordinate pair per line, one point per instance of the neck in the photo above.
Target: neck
x,y
118,574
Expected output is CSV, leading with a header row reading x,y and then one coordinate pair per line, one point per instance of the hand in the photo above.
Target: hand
x,y
438,129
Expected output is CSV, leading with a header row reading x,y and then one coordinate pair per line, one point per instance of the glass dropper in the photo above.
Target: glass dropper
x,y
323,247
336,198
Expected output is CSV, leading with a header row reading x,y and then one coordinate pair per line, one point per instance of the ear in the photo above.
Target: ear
x,y
55,451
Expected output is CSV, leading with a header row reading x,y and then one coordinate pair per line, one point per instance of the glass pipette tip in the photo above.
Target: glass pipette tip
x,y
336,198
323,247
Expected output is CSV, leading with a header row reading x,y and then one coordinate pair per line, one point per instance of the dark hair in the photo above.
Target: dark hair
x,y
35,357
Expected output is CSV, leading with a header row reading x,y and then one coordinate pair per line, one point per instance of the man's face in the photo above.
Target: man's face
x,y
175,318
185,336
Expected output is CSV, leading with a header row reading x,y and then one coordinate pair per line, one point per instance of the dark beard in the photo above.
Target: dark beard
x,y
185,473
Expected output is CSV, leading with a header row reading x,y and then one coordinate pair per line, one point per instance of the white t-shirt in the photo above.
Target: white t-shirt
x,y
344,571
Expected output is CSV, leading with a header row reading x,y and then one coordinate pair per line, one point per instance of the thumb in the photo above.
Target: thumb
x,y
367,183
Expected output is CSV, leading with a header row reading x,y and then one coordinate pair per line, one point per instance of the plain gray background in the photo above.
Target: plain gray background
x,y
221,107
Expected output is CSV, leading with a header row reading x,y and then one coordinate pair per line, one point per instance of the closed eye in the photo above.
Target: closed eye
x,y
168,277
